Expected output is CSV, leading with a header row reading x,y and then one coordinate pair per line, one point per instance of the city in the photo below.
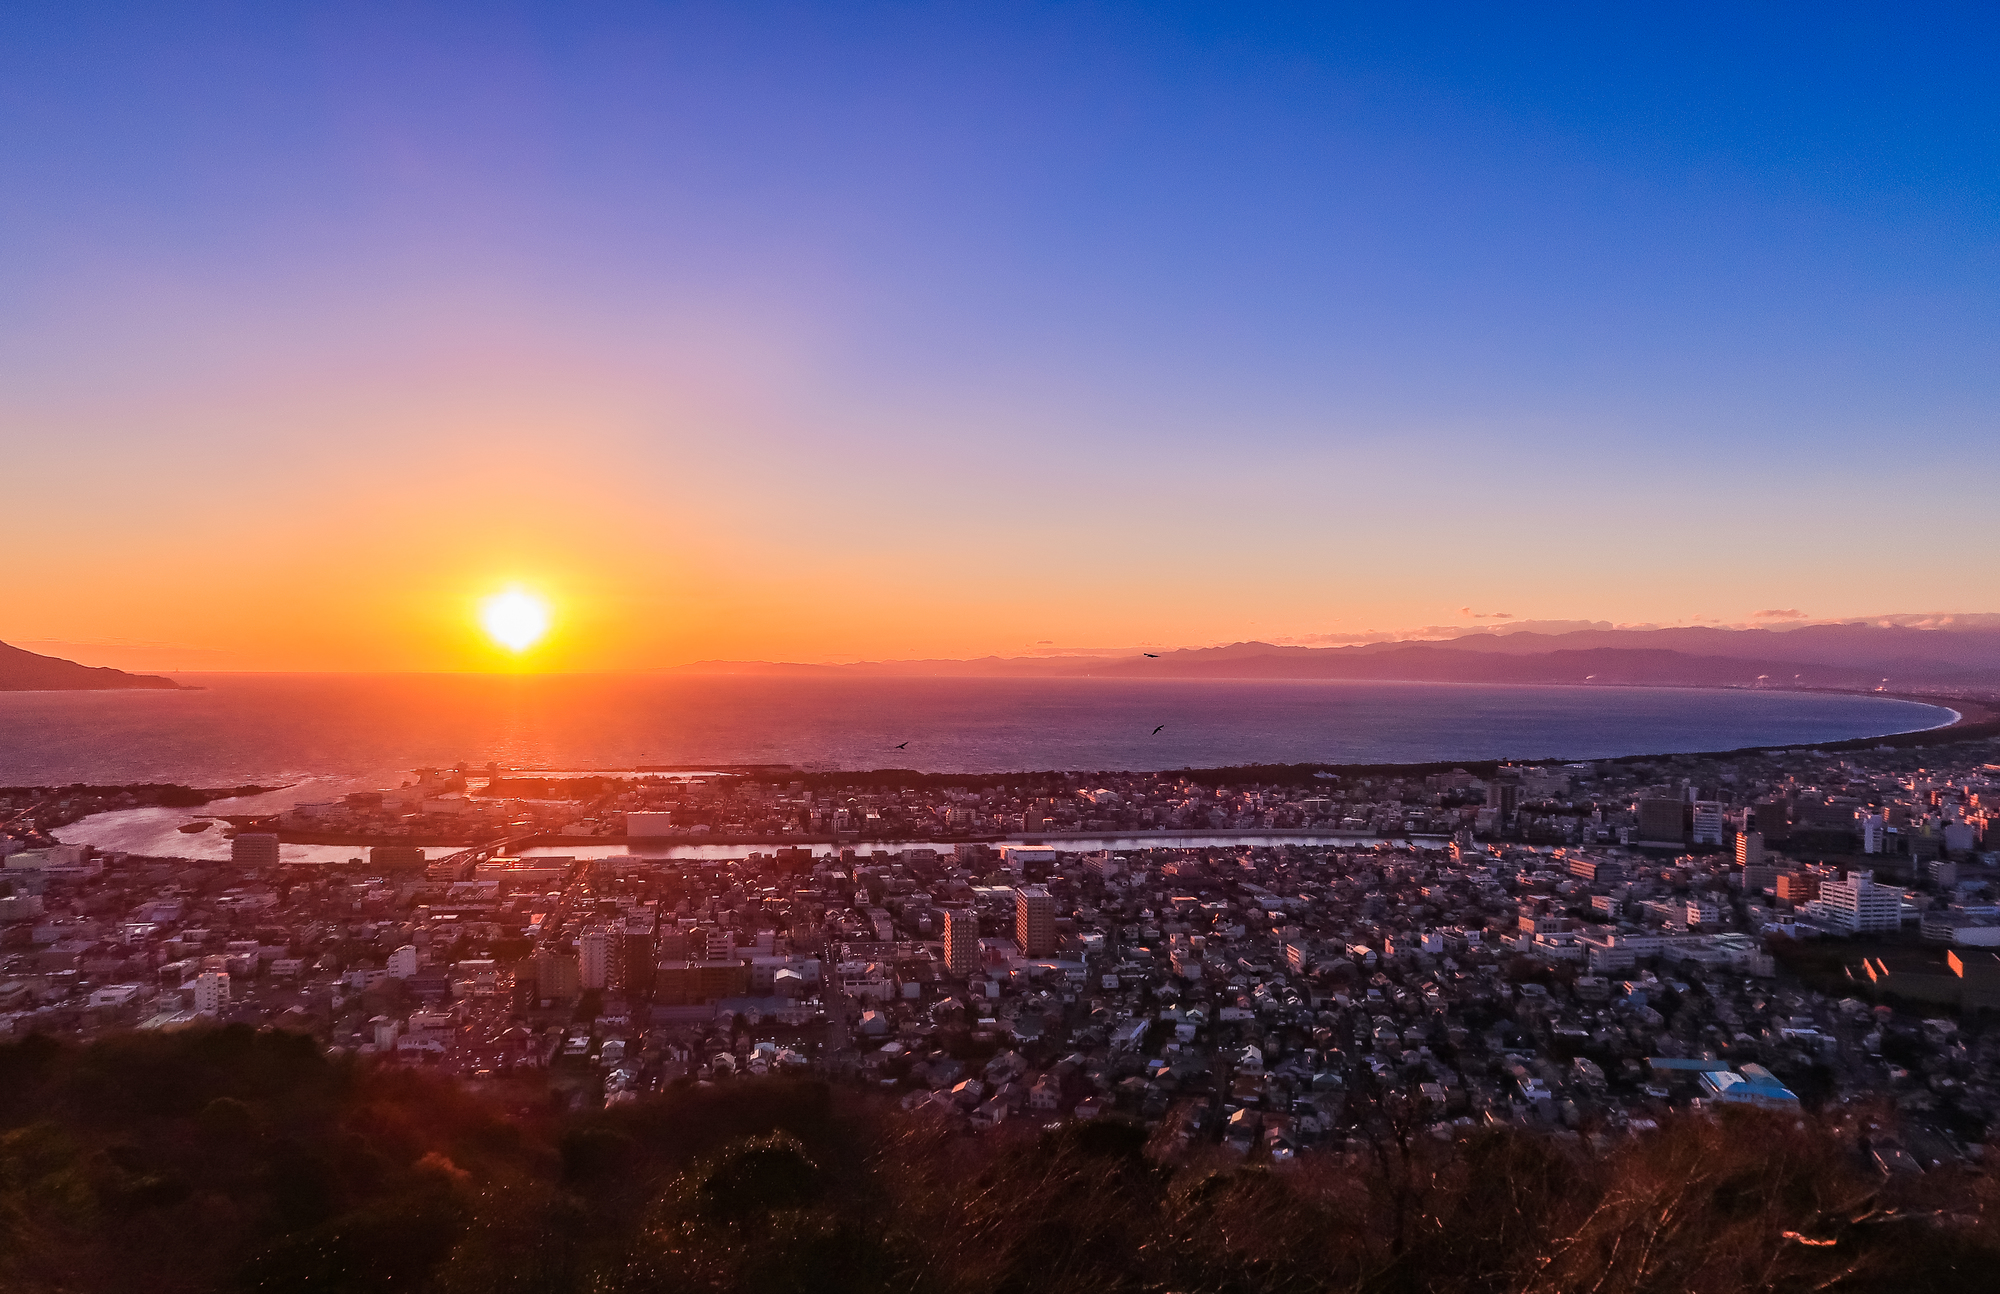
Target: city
x,y
1574,948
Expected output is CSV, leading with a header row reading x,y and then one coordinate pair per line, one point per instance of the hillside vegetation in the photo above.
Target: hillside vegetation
x,y
236,1160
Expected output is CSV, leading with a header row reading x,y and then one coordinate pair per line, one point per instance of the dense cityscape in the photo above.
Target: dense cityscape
x,y
1577,948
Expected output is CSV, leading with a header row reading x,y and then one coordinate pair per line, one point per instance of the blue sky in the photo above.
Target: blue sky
x,y
828,330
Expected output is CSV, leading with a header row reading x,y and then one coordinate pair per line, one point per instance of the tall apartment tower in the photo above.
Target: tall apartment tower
x,y
254,849
634,953
961,941
211,989
555,975
1035,921
592,958
1708,824
1749,848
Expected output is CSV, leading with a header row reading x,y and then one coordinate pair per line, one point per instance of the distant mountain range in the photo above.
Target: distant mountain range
x,y
1846,656
24,671
1821,656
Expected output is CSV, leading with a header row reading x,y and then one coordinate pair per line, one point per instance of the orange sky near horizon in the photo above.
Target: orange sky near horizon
x,y
300,527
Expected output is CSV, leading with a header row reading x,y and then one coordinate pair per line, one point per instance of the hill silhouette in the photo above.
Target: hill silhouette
x,y
1847,656
25,671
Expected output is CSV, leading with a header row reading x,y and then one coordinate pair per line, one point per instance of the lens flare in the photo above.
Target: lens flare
x,y
515,619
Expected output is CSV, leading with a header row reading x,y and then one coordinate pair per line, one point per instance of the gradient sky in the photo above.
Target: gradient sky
x,y
828,331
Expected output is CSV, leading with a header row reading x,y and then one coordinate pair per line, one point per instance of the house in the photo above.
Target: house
x,y
1752,1085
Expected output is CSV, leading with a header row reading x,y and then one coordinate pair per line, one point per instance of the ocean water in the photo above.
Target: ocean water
x,y
361,729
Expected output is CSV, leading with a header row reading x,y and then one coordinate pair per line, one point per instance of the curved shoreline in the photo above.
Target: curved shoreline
x,y
1982,721
1965,711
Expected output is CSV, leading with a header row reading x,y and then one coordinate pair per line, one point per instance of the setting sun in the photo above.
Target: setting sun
x,y
515,619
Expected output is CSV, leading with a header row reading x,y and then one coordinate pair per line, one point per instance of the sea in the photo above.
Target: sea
x,y
319,735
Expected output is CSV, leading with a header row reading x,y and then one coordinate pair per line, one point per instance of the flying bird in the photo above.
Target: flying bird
x,y
1150,655
904,746
1156,731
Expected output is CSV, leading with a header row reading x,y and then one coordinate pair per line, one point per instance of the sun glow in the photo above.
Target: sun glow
x,y
515,619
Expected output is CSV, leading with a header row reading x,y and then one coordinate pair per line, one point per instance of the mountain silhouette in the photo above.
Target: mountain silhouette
x,y
24,671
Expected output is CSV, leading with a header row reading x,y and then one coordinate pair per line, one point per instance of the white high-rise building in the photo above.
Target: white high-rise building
x,y
1858,905
1708,822
211,992
403,962
1874,831
592,963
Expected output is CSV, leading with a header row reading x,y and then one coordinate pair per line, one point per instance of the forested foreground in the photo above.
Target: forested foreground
x,y
236,1160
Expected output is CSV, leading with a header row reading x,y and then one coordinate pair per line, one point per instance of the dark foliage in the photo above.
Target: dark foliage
x,y
237,1160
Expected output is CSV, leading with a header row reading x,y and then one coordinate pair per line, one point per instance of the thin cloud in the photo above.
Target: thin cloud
x,y
1328,640
1422,633
1790,613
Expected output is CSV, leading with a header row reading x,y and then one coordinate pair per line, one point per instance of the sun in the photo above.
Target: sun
x,y
515,619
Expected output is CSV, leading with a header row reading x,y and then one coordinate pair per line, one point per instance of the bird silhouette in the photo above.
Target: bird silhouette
x,y
904,746
1156,731
1150,655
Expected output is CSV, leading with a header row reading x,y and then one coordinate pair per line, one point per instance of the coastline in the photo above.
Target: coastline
x,y
1977,719
1964,718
